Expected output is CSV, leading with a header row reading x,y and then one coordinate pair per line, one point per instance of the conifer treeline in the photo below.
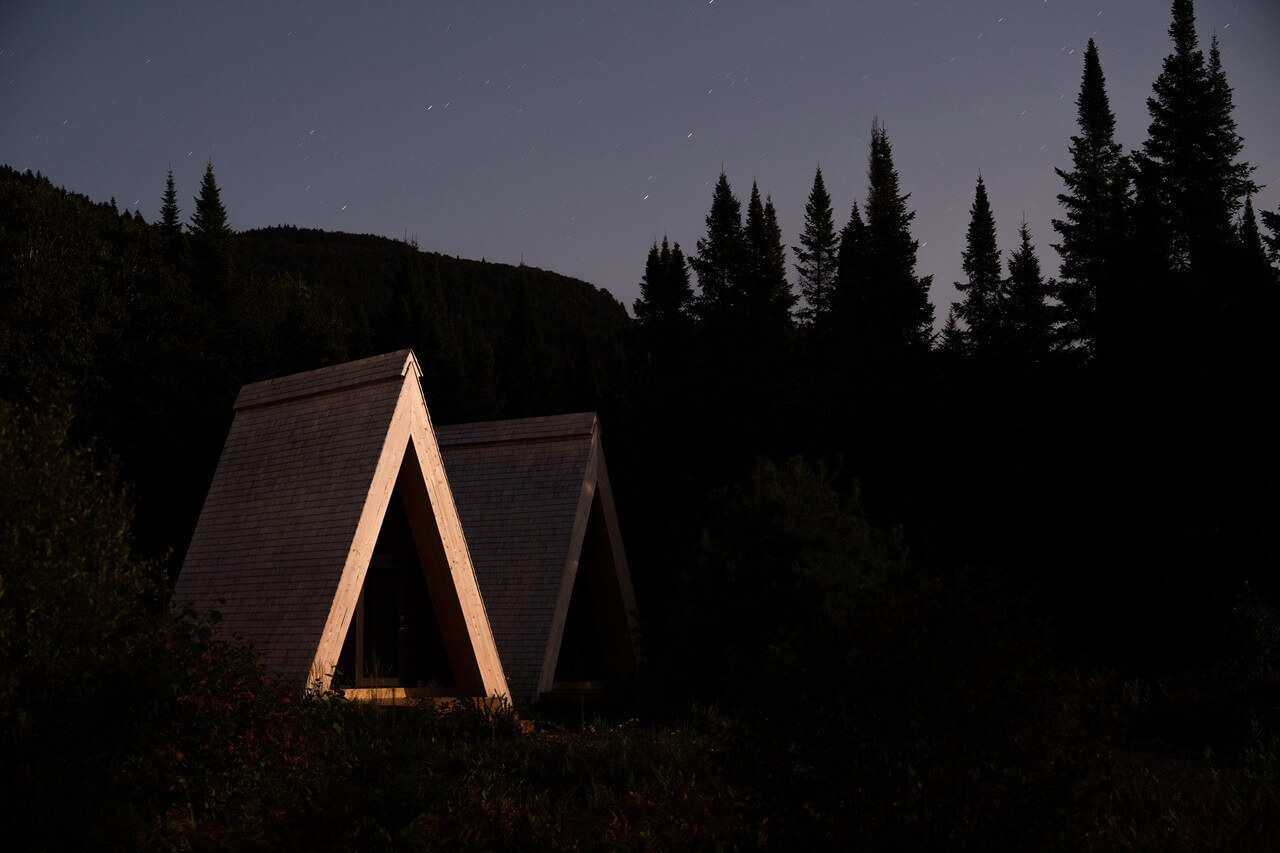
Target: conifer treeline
x,y
1181,201
1096,434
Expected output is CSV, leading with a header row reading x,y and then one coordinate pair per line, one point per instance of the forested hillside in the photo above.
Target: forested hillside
x,y
149,335
995,574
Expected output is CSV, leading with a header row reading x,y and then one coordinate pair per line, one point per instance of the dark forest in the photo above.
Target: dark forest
x,y
991,574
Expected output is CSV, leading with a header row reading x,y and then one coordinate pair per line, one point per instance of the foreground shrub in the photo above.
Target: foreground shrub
x,y
76,614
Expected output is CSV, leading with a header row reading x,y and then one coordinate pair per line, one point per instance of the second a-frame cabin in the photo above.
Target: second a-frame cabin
x,y
538,511
330,541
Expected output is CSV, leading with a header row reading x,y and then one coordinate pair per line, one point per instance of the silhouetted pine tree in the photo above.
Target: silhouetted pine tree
x,y
775,258
952,340
1096,202
983,307
890,312
210,217
1227,143
762,349
664,309
719,260
817,255
665,295
170,224
1190,171
1028,328
829,350
850,259
766,297
1271,220
884,341
210,243
1255,252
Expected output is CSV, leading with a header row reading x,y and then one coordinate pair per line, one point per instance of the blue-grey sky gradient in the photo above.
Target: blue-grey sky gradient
x,y
574,134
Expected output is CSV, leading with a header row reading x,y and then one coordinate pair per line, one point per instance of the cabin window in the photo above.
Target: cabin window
x,y
395,638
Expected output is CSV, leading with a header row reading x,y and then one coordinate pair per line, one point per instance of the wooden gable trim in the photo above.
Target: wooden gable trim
x,y
462,576
595,486
574,557
428,501
620,566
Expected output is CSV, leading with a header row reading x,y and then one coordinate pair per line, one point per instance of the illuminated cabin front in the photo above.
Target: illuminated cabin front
x,y
329,539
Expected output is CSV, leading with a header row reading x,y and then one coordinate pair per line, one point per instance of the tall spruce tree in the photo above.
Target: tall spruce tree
x,y
1227,143
170,224
1255,252
1191,174
663,311
665,295
983,307
755,238
766,299
850,258
1271,220
952,340
210,217
1028,332
776,257
210,244
1096,204
817,254
890,312
720,258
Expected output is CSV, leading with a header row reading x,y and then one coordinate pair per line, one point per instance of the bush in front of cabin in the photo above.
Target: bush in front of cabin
x,y
76,614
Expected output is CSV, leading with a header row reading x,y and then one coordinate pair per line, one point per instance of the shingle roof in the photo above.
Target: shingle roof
x,y
523,490
277,539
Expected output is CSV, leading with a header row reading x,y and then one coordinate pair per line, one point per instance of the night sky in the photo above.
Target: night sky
x,y
572,135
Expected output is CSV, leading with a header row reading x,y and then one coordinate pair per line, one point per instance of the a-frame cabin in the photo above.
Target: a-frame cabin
x,y
329,539
538,512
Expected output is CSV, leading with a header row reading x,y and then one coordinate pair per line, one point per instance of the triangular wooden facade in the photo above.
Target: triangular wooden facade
x,y
537,508
294,514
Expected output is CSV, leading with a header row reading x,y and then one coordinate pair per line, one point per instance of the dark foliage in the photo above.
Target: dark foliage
x,y
170,224
1272,222
721,256
210,218
889,309
1027,334
817,255
1096,211
1195,181
664,309
983,309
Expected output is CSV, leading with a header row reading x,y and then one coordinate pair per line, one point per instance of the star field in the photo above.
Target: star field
x,y
574,134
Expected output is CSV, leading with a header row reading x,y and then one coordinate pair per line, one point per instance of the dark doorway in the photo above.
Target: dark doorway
x,y
595,649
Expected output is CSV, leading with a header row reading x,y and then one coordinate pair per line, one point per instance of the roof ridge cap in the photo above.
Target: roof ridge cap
x,y
570,426
329,380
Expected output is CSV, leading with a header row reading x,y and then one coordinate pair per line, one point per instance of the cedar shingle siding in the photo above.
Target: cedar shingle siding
x,y
525,490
